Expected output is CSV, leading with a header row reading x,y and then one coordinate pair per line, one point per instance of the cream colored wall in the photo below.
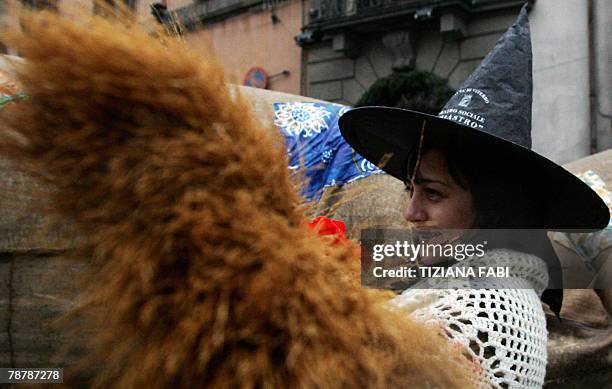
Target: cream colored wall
x,y
251,39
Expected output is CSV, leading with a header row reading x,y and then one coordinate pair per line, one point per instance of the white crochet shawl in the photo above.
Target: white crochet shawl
x,y
502,331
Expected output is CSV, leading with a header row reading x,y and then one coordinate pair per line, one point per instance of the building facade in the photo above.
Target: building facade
x,y
344,46
349,44
336,49
248,34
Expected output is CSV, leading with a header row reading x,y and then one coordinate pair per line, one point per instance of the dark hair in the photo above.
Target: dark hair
x,y
502,196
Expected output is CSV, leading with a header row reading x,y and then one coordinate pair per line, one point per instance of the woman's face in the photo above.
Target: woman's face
x,y
437,200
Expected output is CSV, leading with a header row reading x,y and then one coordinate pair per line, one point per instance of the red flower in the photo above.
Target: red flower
x,y
330,227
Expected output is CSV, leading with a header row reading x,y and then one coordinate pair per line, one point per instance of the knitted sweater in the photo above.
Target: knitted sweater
x,y
502,331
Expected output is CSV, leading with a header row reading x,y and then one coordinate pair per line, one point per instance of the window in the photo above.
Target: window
x,y
129,4
40,4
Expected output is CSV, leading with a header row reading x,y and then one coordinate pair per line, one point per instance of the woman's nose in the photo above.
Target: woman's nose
x,y
415,211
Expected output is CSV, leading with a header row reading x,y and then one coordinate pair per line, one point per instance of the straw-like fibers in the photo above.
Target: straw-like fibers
x,y
204,273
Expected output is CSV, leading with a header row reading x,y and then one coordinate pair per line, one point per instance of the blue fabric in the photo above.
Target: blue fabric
x,y
315,147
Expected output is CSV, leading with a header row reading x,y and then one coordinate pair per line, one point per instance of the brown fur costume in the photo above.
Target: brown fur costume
x,y
205,275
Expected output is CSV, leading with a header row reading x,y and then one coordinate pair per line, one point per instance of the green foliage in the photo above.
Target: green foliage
x,y
415,90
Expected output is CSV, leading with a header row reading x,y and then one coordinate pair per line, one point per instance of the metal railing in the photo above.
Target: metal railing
x,y
327,10
205,11
331,11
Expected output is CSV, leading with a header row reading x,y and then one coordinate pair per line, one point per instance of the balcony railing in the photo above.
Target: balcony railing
x,y
203,11
324,10
326,13
206,11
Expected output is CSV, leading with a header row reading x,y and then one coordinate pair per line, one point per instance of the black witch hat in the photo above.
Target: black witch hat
x,y
490,115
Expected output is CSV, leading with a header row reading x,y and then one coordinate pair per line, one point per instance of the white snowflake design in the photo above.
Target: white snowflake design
x,y
326,155
367,166
301,118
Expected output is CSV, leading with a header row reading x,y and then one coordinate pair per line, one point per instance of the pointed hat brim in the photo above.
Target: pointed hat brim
x,y
388,137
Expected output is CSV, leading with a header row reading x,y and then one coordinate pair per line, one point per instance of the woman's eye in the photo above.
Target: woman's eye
x,y
433,194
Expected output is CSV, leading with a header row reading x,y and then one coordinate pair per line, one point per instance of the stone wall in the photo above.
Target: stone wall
x,y
342,73
570,82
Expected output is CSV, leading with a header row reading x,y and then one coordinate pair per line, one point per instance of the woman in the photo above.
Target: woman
x,y
503,330
472,167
